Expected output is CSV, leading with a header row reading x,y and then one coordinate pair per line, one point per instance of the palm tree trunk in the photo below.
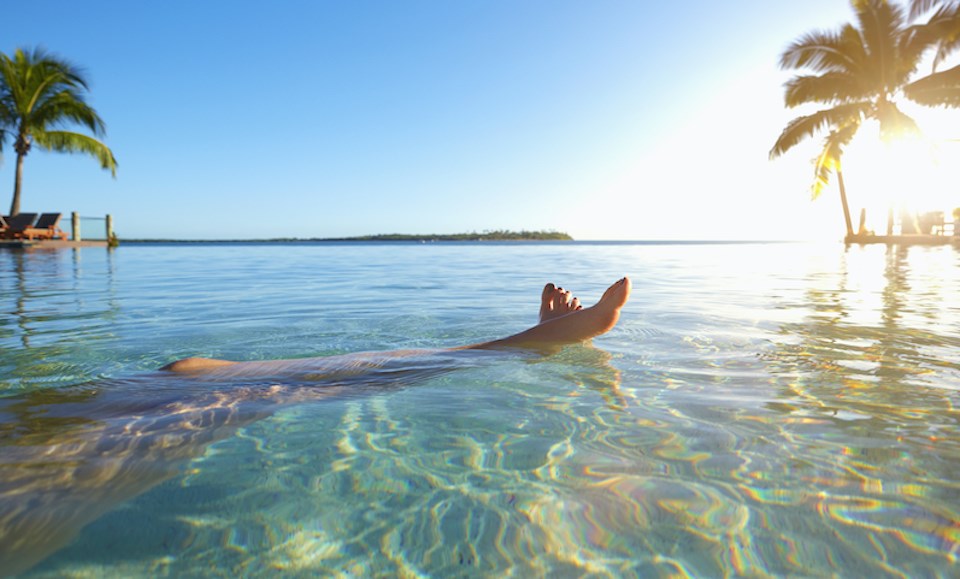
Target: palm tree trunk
x,y
843,201
17,180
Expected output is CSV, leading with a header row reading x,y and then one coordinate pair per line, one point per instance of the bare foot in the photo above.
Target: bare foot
x,y
556,302
574,326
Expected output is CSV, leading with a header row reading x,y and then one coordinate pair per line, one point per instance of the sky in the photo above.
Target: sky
x,y
606,120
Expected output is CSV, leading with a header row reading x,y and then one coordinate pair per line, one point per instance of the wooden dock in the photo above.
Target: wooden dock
x,y
48,244
51,238
908,239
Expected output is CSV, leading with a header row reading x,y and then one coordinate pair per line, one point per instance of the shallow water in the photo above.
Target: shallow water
x,y
760,410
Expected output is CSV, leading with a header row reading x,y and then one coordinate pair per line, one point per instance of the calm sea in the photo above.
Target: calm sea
x,y
762,409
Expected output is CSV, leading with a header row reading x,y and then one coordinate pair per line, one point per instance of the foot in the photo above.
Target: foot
x,y
571,327
602,316
556,302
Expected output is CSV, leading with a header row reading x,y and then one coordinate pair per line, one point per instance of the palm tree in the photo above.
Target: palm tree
x,y
40,93
858,72
939,88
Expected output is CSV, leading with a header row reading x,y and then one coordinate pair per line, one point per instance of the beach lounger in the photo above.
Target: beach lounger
x,y
18,223
47,227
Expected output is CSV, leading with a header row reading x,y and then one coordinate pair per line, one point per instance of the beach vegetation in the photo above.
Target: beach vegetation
x,y
41,95
856,73
943,26
495,235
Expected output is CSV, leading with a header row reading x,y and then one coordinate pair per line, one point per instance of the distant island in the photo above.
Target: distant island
x,y
498,235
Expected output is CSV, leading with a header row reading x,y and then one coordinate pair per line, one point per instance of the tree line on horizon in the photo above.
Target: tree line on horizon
x,y
494,235
860,71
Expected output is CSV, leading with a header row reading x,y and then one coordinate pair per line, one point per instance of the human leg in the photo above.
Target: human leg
x,y
562,321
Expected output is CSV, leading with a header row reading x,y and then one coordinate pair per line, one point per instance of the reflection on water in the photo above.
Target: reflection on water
x,y
870,396
69,455
762,410
52,315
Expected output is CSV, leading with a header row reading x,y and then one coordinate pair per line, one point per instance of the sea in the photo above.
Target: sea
x,y
761,410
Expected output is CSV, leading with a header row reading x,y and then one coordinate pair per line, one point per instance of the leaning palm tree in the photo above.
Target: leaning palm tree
x,y
858,72
39,94
939,88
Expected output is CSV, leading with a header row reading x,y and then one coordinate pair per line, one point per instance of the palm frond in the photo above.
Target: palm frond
x,y
51,65
937,89
894,123
946,48
6,114
920,7
29,79
913,44
826,88
69,142
946,26
881,25
806,126
66,107
820,51
828,160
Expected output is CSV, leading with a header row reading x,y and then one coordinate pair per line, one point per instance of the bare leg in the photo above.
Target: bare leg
x,y
195,364
562,321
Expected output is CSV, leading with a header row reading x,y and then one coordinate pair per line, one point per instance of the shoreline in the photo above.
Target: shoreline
x,y
335,242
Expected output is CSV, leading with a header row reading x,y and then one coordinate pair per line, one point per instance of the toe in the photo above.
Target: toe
x,y
548,290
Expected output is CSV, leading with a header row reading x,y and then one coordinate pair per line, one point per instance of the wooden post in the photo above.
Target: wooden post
x,y
75,224
109,221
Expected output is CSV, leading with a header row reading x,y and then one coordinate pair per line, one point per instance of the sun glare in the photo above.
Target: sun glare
x,y
913,176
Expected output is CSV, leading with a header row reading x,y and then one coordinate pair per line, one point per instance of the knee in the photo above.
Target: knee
x,y
189,364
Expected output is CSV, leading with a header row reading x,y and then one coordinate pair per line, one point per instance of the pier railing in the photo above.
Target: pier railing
x,y
87,228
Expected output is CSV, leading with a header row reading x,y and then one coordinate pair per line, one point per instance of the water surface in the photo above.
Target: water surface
x,y
761,410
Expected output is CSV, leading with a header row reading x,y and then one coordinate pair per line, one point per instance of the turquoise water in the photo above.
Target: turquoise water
x,y
760,410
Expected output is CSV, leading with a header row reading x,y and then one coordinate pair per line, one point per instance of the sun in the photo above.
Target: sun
x,y
912,175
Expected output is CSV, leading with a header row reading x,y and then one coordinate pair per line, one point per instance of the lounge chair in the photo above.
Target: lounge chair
x,y
18,223
47,227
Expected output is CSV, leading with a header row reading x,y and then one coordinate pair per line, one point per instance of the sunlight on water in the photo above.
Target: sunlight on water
x,y
761,410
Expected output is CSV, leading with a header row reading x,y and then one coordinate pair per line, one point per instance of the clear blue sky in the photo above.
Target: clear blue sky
x,y
608,120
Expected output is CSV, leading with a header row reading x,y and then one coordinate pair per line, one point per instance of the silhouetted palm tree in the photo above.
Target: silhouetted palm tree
x,y
40,93
859,70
